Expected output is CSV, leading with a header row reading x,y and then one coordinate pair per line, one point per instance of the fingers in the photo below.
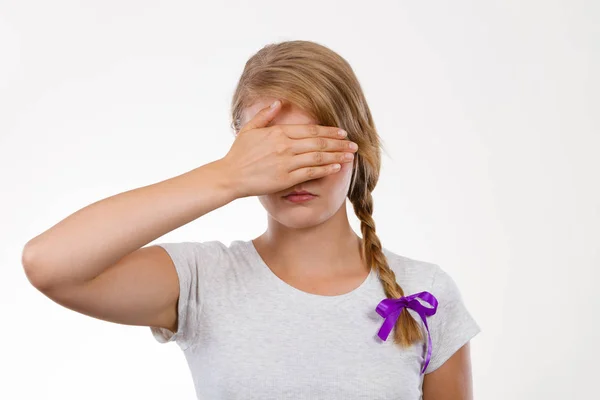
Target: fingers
x,y
321,144
319,158
313,172
302,131
263,117
310,137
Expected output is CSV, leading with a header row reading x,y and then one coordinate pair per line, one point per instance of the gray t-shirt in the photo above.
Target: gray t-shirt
x,y
247,334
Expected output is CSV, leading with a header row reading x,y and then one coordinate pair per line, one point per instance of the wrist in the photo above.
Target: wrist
x,y
224,179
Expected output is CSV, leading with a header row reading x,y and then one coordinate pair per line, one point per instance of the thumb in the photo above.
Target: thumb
x,y
263,117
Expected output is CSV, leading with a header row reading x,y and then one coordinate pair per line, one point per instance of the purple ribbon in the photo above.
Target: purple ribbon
x,y
390,309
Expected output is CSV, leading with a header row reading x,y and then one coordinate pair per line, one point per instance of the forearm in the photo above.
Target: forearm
x,y
89,241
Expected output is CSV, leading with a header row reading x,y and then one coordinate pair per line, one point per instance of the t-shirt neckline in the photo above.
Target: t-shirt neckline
x,y
291,290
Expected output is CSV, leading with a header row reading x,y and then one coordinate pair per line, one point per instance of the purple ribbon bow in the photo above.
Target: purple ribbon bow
x,y
390,309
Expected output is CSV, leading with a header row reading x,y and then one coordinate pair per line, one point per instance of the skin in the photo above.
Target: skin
x,y
453,380
334,265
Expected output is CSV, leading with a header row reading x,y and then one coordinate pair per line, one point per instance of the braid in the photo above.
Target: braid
x,y
407,330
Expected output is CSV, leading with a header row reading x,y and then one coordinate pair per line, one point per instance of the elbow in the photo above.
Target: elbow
x,y
33,271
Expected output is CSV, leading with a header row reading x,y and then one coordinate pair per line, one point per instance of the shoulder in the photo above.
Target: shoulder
x,y
412,272
451,325
197,257
215,260
415,275
196,251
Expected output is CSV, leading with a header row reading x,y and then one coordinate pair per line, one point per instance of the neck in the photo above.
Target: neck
x,y
323,250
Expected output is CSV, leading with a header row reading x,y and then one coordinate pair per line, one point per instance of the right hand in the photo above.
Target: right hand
x,y
264,160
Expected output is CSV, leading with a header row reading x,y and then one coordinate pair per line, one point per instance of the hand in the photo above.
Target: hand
x,y
265,160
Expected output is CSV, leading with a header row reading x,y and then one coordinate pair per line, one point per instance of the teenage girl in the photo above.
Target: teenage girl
x,y
307,310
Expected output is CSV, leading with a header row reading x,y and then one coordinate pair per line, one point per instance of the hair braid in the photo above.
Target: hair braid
x,y
407,330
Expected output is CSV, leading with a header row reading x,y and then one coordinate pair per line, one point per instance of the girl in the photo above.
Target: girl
x,y
306,310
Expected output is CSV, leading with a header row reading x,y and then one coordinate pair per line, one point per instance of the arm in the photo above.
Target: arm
x,y
93,261
451,381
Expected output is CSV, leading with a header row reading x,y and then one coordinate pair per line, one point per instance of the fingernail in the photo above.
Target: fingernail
x,y
275,104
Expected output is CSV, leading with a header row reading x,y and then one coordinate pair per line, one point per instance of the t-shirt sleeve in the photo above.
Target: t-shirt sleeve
x,y
452,326
193,262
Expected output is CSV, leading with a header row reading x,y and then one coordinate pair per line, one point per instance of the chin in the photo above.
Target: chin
x,y
296,216
299,220
298,223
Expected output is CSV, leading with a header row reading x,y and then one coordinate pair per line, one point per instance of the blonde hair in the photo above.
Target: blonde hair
x,y
322,83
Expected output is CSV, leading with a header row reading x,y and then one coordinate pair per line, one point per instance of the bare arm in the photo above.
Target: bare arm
x,y
93,261
451,381
86,243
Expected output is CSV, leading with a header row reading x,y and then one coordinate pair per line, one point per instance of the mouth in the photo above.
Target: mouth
x,y
300,196
299,193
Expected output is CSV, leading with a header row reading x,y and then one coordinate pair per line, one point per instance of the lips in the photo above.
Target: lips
x,y
299,192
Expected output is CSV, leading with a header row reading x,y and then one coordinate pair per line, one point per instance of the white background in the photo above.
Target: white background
x,y
489,115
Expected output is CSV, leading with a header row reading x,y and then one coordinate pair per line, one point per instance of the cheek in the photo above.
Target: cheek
x,y
341,179
334,187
